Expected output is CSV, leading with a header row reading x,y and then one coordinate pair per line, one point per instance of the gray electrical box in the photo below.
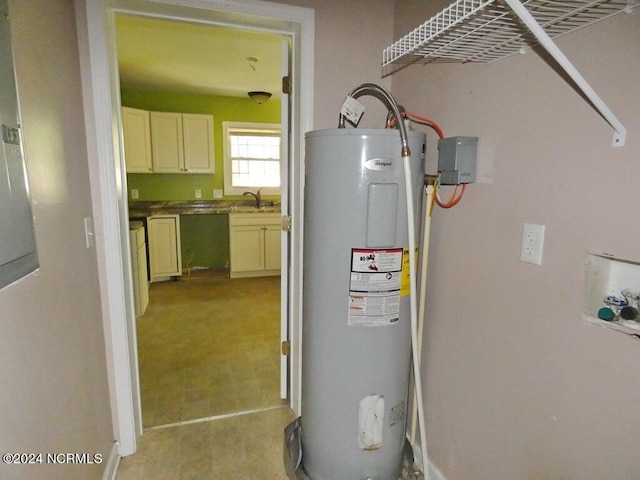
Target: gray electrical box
x,y
457,160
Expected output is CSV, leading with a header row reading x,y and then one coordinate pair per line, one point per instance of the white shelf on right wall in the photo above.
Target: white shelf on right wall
x,y
608,276
490,30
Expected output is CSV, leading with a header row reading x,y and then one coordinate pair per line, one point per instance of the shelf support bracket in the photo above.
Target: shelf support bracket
x,y
620,132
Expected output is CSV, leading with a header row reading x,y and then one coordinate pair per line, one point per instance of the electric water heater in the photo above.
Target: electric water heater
x,y
356,345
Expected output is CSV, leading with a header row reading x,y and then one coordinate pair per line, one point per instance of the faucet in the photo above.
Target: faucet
x,y
256,196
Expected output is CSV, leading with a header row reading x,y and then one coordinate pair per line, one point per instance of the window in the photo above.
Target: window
x,y
251,157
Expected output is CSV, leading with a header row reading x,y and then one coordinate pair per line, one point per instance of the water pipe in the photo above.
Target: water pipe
x,y
415,355
429,197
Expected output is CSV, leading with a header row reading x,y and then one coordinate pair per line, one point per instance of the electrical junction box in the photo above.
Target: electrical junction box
x,y
457,160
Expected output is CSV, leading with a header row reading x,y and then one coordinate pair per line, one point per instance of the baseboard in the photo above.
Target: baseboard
x,y
434,472
111,465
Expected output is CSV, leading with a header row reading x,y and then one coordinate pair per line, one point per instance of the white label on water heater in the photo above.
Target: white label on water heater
x,y
370,422
374,287
352,110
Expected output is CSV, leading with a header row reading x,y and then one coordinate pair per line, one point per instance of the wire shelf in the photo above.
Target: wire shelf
x,y
489,30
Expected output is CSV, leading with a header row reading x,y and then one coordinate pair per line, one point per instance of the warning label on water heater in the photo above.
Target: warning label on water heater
x,y
375,286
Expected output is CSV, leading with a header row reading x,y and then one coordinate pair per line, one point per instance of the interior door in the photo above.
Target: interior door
x,y
285,161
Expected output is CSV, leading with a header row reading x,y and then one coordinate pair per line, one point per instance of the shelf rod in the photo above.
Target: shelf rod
x,y
620,131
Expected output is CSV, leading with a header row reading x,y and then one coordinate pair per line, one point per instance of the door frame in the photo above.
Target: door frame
x,y
101,97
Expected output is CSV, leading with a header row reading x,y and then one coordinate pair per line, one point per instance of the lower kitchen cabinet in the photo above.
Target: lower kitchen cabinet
x,y
165,256
139,267
254,244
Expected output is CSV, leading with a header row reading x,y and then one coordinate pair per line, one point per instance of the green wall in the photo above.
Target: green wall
x,y
204,238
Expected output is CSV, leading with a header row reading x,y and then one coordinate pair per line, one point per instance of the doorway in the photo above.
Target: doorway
x,y
208,345
95,30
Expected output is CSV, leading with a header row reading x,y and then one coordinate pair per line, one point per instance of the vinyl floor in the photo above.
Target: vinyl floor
x,y
209,345
241,447
208,349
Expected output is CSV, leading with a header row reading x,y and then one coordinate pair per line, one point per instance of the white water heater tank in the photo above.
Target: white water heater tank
x,y
356,346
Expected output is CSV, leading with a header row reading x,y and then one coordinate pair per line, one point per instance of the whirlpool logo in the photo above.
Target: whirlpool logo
x,y
379,164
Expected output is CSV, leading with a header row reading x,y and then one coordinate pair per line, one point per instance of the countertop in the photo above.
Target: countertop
x,y
139,209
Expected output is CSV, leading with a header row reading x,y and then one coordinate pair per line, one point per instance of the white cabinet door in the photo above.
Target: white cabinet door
x,y
245,249
139,270
182,142
165,257
167,142
137,140
198,143
254,244
143,281
272,234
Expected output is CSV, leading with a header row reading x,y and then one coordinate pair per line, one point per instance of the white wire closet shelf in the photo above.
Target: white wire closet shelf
x,y
490,30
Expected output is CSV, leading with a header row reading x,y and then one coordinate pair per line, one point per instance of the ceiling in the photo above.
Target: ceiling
x,y
156,54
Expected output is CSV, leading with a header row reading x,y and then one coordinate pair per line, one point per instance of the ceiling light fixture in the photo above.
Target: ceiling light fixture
x,y
259,97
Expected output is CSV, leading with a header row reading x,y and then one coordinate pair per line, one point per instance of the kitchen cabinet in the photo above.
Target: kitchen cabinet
x,y
136,133
254,244
165,257
182,142
139,267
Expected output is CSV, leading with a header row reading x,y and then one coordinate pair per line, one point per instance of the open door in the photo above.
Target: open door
x,y
285,162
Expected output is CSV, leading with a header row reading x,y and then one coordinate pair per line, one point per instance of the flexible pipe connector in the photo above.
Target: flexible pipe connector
x,y
391,103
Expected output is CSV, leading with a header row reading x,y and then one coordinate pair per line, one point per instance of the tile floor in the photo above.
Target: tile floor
x,y
239,447
209,345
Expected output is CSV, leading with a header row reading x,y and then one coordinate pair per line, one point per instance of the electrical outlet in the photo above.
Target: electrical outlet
x,y
198,193
134,194
532,243
217,193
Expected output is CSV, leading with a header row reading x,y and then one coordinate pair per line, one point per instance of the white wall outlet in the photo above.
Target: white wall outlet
x,y
217,193
532,243
198,193
134,194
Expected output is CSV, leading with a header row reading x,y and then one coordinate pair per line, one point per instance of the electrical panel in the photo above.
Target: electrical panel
x,y
18,254
457,160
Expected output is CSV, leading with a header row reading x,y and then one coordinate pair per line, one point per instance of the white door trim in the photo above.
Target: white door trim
x,y
95,23
285,56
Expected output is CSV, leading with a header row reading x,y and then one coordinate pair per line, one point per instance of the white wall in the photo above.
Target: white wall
x,y
53,383
517,385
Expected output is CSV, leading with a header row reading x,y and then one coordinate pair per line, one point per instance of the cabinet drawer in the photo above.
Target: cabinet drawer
x,y
238,219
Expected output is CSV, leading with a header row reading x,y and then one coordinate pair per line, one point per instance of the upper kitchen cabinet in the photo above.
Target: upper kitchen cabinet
x,y
137,140
197,133
182,142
